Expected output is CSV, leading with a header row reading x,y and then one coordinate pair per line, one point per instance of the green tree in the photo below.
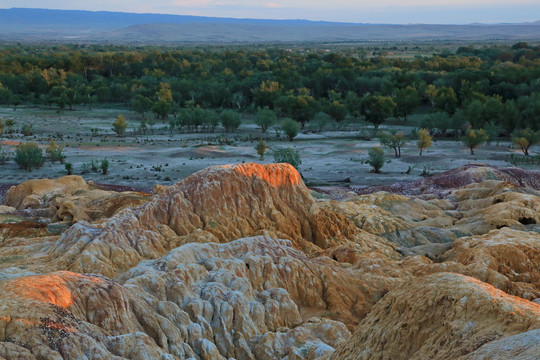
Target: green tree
x,y
301,107
424,140
354,104
407,100
376,159
525,139
431,94
290,128
29,156
119,125
474,138
265,118
141,104
377,108
230,120
267,93
336,110
162,107
446,100
394,140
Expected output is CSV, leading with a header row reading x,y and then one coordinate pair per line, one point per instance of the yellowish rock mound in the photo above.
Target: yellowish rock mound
x,y
219,204
440,316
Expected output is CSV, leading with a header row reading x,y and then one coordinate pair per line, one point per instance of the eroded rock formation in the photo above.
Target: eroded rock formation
x,y
242,262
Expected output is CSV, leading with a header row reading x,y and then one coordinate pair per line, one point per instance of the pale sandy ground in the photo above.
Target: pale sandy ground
x,y
327,158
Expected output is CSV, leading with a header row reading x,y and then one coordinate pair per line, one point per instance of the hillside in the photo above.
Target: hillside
x,y
86,26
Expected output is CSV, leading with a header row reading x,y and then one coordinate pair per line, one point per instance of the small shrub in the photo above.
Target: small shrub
x,y
27,130
104,166
119,125
261,149
376,158
4,155
85,168
29,156
55,153
287,155
9,123
69,168
290,128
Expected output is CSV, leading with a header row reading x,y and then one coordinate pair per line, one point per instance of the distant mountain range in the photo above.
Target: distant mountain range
x,y
20,24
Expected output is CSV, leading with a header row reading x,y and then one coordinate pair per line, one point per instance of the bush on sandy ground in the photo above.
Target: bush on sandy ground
x,y
29,156
288,155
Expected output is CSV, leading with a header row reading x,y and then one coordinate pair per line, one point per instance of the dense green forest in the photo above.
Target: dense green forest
x,y
495,86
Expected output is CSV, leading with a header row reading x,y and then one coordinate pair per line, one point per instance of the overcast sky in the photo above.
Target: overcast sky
x,y
361,11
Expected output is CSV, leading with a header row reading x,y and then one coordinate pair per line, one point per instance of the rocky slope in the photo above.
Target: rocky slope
x,y
243,262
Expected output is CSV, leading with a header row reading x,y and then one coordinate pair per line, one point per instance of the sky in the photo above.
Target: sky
x,y
359,11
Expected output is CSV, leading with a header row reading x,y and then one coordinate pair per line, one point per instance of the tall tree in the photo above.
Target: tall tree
x,y
377,108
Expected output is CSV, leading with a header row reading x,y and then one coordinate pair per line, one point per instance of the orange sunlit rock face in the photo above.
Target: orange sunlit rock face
x,y
275,175
51,288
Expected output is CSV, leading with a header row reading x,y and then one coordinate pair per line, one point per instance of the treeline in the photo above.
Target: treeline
x,y
480,86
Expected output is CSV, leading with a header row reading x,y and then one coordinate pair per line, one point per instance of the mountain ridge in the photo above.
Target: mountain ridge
x,y
26,24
